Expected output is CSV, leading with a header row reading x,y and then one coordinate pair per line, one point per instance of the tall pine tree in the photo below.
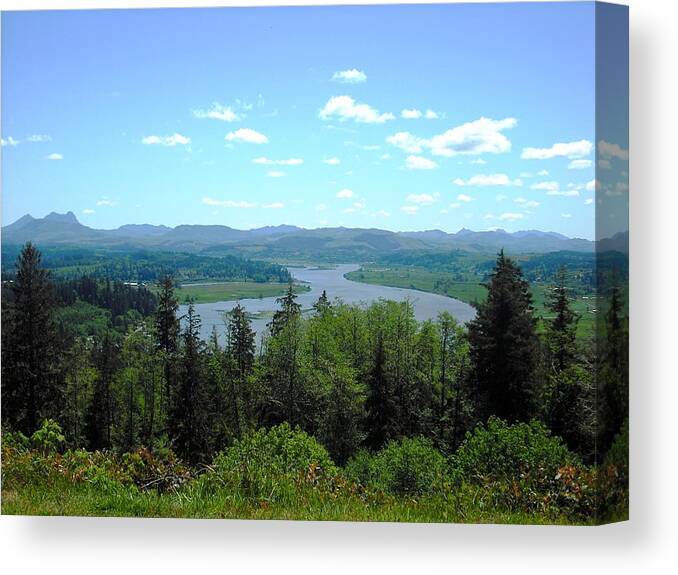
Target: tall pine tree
x,y
504,345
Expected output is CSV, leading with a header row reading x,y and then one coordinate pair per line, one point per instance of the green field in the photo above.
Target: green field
x,y
209,292
466,291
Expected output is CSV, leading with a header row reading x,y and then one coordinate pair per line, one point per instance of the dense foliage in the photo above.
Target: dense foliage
x,y
345,402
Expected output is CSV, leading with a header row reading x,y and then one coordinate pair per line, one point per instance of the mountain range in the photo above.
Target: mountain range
x,y
284,240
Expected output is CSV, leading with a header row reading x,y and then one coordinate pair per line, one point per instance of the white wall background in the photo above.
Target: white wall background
x,y
648,543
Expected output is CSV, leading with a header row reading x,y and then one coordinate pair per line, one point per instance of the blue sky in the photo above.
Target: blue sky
x,y
397,117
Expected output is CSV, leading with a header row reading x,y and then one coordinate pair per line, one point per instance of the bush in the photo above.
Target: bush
x,y
271,464
500,451
521,467
49,438
405,467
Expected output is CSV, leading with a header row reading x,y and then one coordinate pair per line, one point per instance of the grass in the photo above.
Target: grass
x,y
211,292
468,291
64,498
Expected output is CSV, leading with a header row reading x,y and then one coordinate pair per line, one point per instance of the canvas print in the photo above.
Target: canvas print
x,y
350,263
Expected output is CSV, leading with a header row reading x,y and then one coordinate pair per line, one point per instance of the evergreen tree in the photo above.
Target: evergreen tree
x,y
504,345
241,350
167,329
613,372
322,305
188,424
102,414
31,383
562,328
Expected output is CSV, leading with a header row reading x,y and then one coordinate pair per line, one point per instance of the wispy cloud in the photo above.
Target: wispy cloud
x,y
423,199
579,164
88,211
9,142
105,202
228,203
269,162
564,193
410,210
420,163
571,150
246,135
218,112
473,138
55,156
545,186
39,138
464,198
345,193
169,141
334,161
345,108
431,115
276,174
352,76
527,204
488,180
506,216
274,206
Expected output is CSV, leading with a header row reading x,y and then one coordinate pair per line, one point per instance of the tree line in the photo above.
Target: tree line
x,y
351,376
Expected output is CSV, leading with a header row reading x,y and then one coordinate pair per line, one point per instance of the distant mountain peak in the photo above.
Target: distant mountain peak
x,y
67,218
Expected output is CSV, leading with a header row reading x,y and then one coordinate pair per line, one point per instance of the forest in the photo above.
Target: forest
x,y
349,412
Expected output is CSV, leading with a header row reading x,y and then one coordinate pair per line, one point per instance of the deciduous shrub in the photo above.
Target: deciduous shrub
x,y
49,438
405,467
270,464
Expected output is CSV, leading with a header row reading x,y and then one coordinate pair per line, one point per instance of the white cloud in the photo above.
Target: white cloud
x,y
9,142
431,115
276,174
246,135
410,210
564,193
488,180
455,205
506,216
610,151
381,214
170,141
591,186
105,202
565,216
588,201
269,162
345,193
39,138
88,211
479,161
570,150
334,161
543,173
545,186
359,205
604,164
55,157
412,114
351,76
579,164
346,108
385,157
218,112
527,204
464,198
274,206
480,136
420,199
228,203
420,163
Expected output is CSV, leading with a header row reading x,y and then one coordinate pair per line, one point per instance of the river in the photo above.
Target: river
x,y
426,305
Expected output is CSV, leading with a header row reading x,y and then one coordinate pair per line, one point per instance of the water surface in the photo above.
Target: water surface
x,y
426,305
